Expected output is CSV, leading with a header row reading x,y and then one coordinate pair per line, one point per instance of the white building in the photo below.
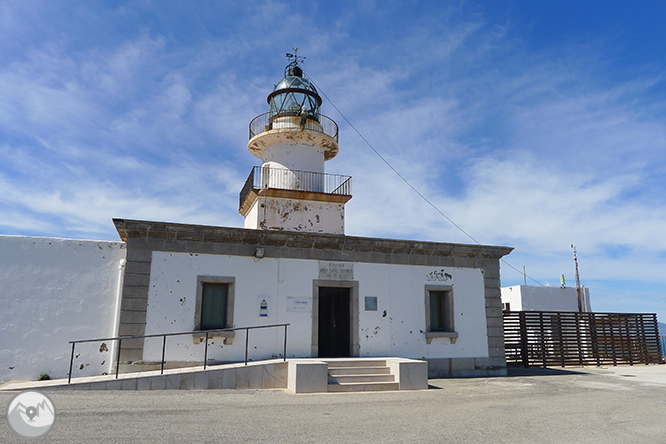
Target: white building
x,y
343,296
543,298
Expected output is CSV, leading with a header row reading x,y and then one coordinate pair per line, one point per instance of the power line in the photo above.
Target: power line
x,y
407,182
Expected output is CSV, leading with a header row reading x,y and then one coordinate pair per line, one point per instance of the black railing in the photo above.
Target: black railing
x,y
249,185
262,178
205,333
271,121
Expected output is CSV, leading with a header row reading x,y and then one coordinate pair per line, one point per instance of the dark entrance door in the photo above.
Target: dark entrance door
x,y
334,322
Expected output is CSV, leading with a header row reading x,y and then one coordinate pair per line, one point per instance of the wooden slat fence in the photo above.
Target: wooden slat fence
x,y
542,339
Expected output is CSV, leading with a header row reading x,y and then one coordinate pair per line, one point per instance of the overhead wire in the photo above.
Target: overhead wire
x,y
421,195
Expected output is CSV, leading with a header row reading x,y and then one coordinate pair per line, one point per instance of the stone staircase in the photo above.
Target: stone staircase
x,y
356,375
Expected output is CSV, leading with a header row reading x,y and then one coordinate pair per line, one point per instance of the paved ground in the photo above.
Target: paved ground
x,y
613,405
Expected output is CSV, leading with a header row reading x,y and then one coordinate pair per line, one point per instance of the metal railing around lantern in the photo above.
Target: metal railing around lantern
x,y
293,120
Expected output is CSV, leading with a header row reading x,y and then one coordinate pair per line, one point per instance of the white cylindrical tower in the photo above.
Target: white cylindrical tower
x,y
291,191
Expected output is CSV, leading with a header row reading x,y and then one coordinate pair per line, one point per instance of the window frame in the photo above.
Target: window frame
x,y
231,293
449,302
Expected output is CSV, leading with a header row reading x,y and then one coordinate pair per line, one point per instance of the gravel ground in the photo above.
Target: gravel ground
x,y
620,405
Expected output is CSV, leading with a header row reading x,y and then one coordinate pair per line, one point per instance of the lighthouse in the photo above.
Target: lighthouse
x,y
291,191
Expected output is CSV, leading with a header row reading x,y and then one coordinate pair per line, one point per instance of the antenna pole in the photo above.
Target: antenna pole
x,y
525,275
578,289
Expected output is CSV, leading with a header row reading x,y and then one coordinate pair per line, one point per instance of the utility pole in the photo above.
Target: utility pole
x,y
578,289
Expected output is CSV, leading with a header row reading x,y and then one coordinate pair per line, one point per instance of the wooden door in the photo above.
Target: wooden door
x,y
334,322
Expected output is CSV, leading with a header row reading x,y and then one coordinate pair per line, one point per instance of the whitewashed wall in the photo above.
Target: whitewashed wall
x,y
53,291
533,298
294,156
395,329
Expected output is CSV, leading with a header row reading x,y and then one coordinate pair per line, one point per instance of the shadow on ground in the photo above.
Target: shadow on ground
x,y
513,372
540,371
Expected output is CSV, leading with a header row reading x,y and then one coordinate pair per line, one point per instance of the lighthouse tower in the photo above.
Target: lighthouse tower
x,y
290,190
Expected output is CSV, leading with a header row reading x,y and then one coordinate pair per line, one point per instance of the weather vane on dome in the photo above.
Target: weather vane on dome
x,y
292,69
294,58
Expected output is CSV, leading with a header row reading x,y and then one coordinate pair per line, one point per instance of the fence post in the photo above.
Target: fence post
x,y
641,356
285,342
543,347
630,350
658,344
523,340
163,350
71,362
564,347
206,351
120,345
579,337
247,335
615,332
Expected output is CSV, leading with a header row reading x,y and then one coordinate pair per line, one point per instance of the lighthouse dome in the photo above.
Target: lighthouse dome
x,y
295,95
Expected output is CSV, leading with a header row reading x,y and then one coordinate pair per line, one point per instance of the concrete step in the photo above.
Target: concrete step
x,y
360,375
364,387
342,379
335,371
356,363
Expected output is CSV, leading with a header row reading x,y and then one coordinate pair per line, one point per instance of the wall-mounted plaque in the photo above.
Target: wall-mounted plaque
x,y
336,271
298,304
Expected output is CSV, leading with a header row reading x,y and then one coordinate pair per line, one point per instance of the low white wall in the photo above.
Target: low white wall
x,y
395,329
53,291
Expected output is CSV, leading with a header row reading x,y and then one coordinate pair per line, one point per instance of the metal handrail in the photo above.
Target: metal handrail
x,y
164,336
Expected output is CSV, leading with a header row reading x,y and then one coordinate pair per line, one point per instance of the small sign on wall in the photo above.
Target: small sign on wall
x,y
264,301
336,271
298,304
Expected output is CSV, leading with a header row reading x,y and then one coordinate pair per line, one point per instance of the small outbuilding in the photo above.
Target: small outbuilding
x,y
545,298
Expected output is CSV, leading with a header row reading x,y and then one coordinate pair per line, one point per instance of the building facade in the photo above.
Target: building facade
x,y
341,295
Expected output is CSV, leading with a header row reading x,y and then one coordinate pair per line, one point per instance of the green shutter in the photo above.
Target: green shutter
x,y
214,306
436,310
440,318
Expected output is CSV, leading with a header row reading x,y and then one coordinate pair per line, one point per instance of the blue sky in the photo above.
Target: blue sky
x,y
530,124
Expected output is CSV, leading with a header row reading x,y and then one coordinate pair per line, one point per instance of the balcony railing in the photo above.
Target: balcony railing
x,y
262,178
271,121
